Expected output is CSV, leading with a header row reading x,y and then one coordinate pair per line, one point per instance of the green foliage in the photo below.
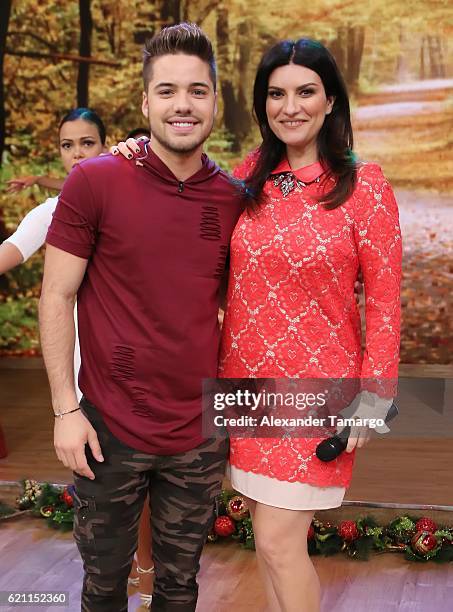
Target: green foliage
x,y
19,324
52,506
364,548
6,510
219,148
25,280
18,306
329,544
445,555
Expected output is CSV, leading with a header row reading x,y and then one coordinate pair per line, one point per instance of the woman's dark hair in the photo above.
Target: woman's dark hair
x,y
139,131
335,139
87,114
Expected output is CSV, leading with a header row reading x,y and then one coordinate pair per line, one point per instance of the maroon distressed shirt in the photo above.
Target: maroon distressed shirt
x,y
148,304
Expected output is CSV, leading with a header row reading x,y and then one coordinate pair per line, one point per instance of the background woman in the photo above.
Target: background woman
x,y
81,136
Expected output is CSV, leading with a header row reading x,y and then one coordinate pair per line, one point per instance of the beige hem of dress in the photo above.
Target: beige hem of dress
x,y
282,494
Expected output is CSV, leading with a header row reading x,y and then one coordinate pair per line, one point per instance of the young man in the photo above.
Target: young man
x,y
143,246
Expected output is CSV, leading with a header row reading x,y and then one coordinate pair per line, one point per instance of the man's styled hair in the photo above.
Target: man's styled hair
x,y
185,38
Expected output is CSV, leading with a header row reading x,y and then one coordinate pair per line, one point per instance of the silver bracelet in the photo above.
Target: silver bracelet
x,y
61,414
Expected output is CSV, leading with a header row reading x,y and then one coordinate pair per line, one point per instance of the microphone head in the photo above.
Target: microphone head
x,y
330,449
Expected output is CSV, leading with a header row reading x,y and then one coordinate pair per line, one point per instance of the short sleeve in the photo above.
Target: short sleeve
x,y
75,220
31,232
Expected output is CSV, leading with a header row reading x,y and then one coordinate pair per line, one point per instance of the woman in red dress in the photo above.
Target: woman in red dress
x,y
318,216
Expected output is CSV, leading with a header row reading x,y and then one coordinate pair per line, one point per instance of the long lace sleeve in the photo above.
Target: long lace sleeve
x,y
378,239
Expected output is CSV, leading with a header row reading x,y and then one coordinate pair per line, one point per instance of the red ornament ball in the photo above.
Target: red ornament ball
x,y
424,542
67,498
348,531
311,533
426,524
224,526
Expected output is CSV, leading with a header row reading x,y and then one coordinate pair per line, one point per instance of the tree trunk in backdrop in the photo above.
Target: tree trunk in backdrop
x,y
86,28
5,11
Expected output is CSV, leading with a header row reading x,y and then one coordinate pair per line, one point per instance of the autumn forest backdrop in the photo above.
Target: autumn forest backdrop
x,y
397,58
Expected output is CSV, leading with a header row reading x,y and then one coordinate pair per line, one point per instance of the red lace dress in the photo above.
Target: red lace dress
x,y
291,312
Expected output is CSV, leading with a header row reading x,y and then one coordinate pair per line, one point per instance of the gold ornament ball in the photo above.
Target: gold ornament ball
x,y
237,508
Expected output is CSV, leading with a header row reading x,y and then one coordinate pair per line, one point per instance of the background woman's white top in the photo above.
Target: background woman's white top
x,y
29,236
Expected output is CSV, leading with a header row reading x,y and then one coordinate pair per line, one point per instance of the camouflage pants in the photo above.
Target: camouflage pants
x,y
182,490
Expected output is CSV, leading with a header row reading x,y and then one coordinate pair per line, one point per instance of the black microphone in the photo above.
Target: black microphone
x,y
331,448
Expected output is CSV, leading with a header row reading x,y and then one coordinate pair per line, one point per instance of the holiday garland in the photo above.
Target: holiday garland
x,y
420,539
55,504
